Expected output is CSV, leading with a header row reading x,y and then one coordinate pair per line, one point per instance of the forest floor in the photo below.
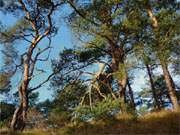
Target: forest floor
x,y
155,123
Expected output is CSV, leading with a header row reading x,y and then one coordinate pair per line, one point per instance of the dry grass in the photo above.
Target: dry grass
x,y
156,123
26,132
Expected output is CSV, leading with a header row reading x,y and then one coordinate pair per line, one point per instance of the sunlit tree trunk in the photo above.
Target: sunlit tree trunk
x,y
39,32
122,86
168,79
118,66
123,83
19,117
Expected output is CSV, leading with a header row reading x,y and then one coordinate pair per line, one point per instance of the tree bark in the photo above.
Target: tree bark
x,y
19,118
117,59
131,95
16,117
123,83
153,89
168,79
170,87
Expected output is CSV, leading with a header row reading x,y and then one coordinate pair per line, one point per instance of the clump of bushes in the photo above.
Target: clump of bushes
x,y
58,118
99,110
6,113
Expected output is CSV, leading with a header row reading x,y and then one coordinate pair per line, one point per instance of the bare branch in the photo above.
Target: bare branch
x,y
41,84
28,16
99,91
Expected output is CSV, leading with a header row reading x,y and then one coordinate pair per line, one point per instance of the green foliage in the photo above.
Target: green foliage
x,y
163,122
89,55
142,110
13,33
165,40
1,124
4,82
59,118
99,110
69,97
46,4
47,104
33,98
161,93
110,30
121,73
35,119
6,112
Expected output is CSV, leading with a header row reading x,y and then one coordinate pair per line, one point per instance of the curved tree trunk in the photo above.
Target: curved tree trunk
x,y
16,118
19,118
170,87
39,32
18,111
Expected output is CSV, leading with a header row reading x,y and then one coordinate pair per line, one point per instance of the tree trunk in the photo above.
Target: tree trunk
x,y
170,87
25,103
153,89
131,95
19,117
16,118
123,83
167,76
118,66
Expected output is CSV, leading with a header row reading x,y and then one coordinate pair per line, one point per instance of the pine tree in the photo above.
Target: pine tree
x,y
34,26
164,38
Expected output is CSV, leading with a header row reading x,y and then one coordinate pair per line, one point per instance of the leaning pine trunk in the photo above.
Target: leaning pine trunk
x,y
168,79
157,103
170,87
17,114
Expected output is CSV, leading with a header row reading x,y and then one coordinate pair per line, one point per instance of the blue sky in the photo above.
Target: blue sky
x,y
64,38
